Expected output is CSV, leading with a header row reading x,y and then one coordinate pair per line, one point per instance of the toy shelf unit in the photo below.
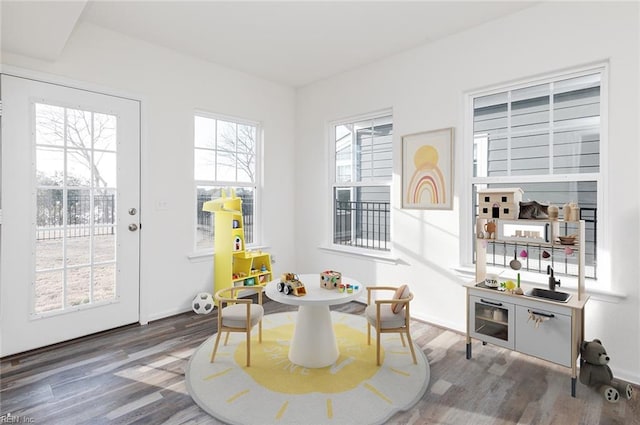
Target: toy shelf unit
x,y
233,264
556,243
251,268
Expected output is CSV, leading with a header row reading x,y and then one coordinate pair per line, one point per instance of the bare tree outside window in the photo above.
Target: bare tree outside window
x,y
225,155
75,207
89,136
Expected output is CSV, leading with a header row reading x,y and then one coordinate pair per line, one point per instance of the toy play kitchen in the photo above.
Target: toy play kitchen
x,y
542,322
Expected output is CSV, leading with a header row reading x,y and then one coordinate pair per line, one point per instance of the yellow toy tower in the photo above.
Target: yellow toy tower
x,y
233,265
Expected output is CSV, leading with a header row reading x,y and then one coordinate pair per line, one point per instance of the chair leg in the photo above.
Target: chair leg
x,y
260,332
413,353
378,348
249,348
226,339
215,347
402,339
368,333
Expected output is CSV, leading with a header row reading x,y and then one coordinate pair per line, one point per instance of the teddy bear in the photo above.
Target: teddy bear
x,y
594,371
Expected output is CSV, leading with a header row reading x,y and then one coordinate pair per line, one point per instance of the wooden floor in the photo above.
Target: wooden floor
x,y
135,375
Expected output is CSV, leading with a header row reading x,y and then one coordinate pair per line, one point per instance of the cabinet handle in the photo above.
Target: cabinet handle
x,y
550,315
491,303
546,233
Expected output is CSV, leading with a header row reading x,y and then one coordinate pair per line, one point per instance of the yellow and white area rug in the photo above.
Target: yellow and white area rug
x,y
275,391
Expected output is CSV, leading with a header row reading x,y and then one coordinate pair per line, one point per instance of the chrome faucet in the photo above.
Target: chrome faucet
x,y
552,280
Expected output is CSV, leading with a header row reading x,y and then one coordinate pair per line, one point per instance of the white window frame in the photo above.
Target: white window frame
x,y
256,185
467,234
363,251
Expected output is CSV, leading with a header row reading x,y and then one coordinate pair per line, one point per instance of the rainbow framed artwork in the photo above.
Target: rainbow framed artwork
x,y
427,170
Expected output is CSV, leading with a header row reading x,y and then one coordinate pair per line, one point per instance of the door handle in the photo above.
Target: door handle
x,y
133,227
539,313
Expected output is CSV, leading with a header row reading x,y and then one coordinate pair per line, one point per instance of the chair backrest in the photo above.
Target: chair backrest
x,y
231,293
399,302
401,293
237,310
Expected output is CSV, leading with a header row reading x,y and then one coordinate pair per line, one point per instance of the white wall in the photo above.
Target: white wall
x,y
172,86
425,87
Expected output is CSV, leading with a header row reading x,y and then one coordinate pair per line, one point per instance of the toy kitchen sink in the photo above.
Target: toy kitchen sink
x,y
546,294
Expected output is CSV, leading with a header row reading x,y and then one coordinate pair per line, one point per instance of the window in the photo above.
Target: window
x,y
76,198
543,137
225,157
363,164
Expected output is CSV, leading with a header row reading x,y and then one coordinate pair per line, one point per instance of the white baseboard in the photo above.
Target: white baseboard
x,y
167,313
453,326
625,375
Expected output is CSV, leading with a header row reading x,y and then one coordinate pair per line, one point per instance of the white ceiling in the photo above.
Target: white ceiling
x,y
290,42
38,29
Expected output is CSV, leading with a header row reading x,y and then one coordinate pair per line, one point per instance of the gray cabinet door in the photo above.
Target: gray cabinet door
x,y
544,334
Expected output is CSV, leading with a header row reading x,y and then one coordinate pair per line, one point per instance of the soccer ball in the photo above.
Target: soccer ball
x,y
202,303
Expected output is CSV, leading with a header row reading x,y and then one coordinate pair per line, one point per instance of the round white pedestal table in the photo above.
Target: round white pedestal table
x,y
314,342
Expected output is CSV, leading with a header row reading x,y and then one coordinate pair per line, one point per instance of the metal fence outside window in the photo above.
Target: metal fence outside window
x,y
206,219
362,224
52,220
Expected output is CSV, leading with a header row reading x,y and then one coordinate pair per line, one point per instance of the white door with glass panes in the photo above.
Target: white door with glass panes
x,y
69,251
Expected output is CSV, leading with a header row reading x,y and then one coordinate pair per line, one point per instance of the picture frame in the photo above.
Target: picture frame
x,y
427,170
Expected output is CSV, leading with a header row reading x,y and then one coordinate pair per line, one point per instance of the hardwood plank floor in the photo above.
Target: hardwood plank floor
x,y
135,375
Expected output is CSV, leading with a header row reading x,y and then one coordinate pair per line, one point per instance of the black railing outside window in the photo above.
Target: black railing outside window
x,y
362,224
206,219
51,216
